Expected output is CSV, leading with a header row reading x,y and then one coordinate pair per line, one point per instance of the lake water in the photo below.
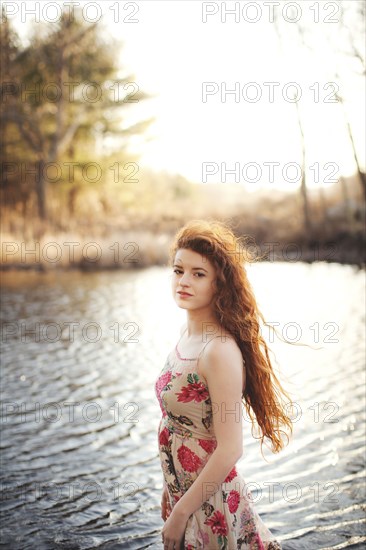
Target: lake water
x,y
80,354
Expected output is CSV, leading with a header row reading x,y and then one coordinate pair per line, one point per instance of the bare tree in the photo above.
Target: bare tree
x,y
303,186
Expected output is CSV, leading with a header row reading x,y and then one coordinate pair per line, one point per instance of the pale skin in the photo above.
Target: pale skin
x,y
221,365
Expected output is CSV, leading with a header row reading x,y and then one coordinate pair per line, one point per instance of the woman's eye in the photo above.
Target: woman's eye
x,y
180,271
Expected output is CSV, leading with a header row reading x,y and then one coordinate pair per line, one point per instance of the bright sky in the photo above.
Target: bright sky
x,y
174,54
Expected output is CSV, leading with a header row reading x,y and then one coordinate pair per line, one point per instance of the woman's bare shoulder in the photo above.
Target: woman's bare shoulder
x,y
221,344
222,354
221,348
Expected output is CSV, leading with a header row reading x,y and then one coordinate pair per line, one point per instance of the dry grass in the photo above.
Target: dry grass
x,y
112,231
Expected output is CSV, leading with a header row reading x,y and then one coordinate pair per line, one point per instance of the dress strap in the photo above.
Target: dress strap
x,y
202,350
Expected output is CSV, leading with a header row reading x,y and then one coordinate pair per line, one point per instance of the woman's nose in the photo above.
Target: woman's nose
x,y
184,280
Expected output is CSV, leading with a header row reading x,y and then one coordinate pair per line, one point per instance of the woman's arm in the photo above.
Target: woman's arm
x,y
207,483
223,364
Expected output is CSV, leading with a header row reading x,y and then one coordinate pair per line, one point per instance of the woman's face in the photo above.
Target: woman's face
x,y
195,275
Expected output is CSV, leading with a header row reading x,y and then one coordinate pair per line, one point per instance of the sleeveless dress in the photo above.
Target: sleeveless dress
x,y
227,520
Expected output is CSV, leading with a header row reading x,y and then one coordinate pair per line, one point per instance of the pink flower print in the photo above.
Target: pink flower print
x,y
233,501
233,473
196,391
217,523
209,445
247,520
188,459
164,437
256,543
161,382
203,538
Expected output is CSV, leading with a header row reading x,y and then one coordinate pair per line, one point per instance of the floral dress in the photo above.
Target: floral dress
x,y
227,520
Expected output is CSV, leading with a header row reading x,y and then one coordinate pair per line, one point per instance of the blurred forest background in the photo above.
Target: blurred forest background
x,y
52,193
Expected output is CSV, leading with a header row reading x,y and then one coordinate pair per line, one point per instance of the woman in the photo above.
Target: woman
x,y
216,363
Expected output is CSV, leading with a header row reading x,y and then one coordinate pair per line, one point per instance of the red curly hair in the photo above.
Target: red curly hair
x,y
237,312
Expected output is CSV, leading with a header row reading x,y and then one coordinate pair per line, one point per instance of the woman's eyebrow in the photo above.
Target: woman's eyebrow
x,y
177,265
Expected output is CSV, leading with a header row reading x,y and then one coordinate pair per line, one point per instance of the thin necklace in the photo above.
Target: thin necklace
x,y
184,358
179,355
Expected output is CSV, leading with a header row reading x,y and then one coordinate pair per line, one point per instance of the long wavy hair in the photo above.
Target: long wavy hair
x,y
236,310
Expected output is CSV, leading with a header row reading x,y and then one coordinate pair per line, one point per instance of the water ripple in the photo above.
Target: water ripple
x,y
80,466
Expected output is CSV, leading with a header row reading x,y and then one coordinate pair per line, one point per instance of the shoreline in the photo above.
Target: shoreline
x,y
348,256
132,250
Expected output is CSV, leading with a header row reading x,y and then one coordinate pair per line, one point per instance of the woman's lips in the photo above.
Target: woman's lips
x,y
184,294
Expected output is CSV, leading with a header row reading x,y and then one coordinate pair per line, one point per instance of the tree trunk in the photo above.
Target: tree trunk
x,y
323,206
303,188
41,192
72,200
360,173
362,177
349,217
